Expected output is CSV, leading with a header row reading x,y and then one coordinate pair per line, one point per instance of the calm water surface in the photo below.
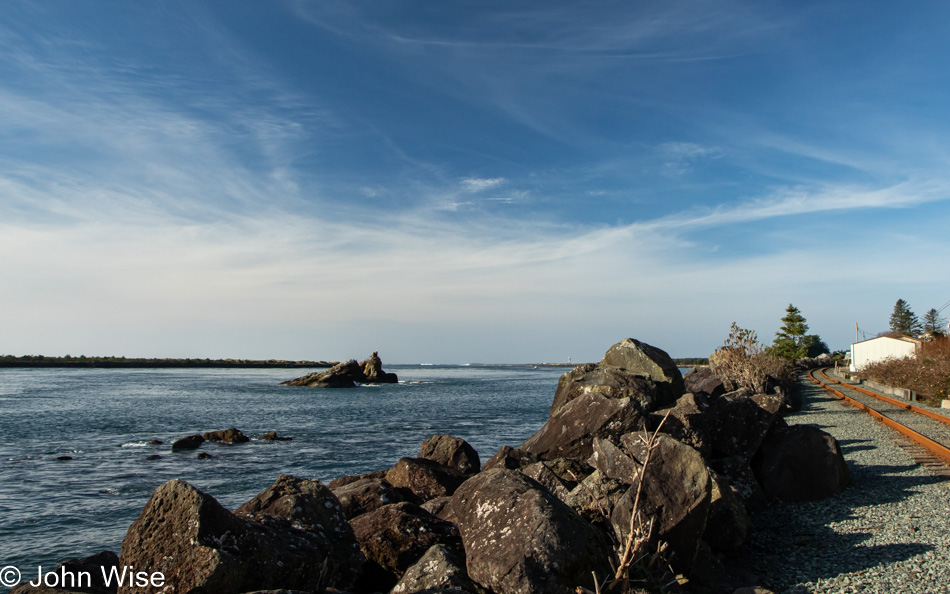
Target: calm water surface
x,y
104,419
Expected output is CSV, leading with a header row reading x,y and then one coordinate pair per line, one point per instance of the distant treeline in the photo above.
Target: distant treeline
x,y
687,361
84,361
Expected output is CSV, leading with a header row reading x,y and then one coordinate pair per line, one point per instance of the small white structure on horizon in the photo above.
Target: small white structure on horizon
x,y
881,348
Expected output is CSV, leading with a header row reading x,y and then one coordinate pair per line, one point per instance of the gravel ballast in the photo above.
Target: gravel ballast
x,y
888,532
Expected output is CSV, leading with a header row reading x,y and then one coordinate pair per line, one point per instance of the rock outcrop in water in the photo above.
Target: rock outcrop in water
x,y
348,374
539,518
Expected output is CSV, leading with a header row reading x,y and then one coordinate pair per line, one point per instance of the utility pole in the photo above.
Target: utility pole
x,y
855,332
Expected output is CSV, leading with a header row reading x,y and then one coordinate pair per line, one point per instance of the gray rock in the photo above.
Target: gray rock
x,y
425,478
510,458
366,495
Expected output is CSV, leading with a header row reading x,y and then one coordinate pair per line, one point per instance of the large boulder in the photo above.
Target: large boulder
x,y
800,463
737,425
676,493
441,569
365,495
394,537
689,421
347,374
570,432
520,538
639,358
198,545
594,498
425,478
453,452
95,566
611,382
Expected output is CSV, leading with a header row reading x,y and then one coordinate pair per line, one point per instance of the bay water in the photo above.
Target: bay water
x,y
104,419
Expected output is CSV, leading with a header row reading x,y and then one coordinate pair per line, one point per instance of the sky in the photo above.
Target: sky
x,y
452,182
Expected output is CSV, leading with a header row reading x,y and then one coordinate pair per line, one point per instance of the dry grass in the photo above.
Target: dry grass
x,y
928,374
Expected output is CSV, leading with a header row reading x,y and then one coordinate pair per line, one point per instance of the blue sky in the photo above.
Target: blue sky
x,y
465,181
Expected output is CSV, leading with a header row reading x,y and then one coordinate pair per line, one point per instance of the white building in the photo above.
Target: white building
x,y
883,347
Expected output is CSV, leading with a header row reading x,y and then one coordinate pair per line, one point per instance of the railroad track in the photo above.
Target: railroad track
x,y
923,433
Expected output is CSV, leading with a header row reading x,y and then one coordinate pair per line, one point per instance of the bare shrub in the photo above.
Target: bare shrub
x,y
928,374
744,362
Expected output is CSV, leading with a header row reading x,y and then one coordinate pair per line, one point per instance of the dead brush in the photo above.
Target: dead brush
x,y
641,562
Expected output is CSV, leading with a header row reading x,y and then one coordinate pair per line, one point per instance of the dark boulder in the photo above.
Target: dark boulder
x,y
518,537
571,431
231,435
191,442
676,494
441,508
727,524
613,461
451,451
393,538
689,422
441,569
737,424
510,458
200,546
366,495
204,456
76,580
272,436
425,478
640,359
800,463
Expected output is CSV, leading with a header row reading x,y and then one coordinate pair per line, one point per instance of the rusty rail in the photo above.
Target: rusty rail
x,y
921,411
930,445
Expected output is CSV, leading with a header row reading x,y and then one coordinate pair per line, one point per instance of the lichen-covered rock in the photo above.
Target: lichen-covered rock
x,y
232,435
594,498
519,538
610,382
352,478
425,478
453,452
441,508
200,546
800,463
640,359
702,380
690,422
737,424
613,462
440,569
570,432
393,538
676,494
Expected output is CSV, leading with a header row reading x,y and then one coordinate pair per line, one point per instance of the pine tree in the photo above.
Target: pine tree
x,y
790,340
904,320
934,322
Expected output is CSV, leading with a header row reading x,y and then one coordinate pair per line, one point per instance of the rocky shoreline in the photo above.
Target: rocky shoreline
x,y
641,478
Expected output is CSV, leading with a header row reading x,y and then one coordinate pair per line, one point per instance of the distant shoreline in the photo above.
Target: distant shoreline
x,y
35,361
40,361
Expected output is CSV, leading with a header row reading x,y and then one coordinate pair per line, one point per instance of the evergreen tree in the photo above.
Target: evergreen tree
x,y
815,346
904,320
934,322
790,340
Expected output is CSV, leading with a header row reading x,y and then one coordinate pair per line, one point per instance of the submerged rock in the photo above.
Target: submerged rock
x,y
191,442
232,435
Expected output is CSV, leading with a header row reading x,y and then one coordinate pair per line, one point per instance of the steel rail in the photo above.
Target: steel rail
x,y
936,448
921,411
